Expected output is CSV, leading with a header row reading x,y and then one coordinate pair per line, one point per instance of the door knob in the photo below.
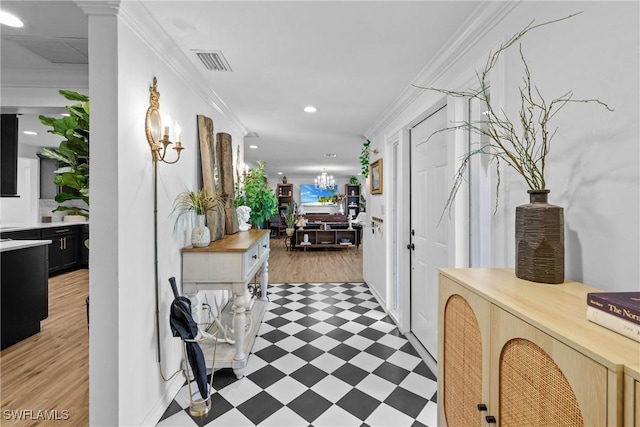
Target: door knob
x,y
411,246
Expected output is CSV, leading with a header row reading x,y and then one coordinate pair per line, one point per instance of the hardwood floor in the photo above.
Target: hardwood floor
x,y
314,265
50,370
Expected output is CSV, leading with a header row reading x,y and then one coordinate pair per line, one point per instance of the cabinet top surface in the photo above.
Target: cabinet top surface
x,y
12,245
39,225
558,310
633,370
238,242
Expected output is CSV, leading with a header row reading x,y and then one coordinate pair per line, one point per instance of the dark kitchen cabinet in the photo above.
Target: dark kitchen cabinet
x,y
24,294
64,250
22,234
9,155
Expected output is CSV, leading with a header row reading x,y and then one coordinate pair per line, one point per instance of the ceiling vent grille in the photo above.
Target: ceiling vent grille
x,y
213,60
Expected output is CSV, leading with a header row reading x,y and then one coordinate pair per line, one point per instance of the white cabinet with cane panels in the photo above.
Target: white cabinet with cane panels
x,y
518,353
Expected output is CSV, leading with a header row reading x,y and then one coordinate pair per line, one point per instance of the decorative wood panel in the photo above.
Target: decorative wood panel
x,y
224,151
210,178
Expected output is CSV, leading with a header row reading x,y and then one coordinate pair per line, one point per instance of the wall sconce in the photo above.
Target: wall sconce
x,y
244,173
157,139
158,142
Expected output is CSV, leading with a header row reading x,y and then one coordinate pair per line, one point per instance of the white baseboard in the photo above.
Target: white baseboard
x,y
424,354
163,403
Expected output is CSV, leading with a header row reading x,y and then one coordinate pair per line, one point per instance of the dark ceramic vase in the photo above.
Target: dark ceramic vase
x,y
540,240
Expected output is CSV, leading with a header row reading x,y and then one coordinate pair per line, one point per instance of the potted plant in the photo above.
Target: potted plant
x,y
72,156
523,145
290,217
199,202
256,194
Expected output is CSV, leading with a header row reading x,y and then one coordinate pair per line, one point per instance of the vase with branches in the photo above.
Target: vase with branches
x,y
523,144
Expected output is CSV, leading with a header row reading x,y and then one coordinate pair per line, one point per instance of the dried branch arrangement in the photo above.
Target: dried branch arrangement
x,y
523,144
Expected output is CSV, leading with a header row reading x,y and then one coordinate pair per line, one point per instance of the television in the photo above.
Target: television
x,y
312,196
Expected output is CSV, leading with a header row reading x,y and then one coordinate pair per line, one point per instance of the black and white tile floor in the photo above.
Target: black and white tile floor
x,y
326,355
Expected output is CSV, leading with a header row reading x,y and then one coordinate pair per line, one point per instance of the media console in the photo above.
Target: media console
x,y
332,238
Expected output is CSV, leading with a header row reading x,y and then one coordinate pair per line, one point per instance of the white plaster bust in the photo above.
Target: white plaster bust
x,y
244,212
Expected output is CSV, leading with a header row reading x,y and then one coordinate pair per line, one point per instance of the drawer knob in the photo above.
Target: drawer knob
x,y
482,407
255,256
490,419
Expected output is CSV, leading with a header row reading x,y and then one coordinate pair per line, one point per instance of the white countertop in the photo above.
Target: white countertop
x,y
20,227
12,245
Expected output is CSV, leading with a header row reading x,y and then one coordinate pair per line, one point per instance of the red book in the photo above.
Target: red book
x,y
625,305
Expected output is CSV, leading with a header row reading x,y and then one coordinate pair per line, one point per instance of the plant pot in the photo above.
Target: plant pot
x,y
200,235
540,240
74,218
290,231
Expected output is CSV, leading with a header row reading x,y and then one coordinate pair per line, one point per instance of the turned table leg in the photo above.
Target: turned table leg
x,y
264,280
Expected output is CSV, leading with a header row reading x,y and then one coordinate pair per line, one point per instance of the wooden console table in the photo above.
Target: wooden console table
x,y
230,263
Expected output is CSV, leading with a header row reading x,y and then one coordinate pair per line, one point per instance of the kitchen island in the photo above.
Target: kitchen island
x,y
67,250
24,288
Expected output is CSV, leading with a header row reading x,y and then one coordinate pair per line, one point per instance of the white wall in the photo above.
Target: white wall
x,y
125,383
593,167
23,209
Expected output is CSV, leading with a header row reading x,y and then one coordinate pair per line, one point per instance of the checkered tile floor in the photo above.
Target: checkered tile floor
x,y
326,355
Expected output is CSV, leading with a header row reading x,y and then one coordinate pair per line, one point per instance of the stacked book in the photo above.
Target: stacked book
x,y
618,311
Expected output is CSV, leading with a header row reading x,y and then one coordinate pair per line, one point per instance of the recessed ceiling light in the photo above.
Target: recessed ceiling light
x,y
30,132
279,173
253,146
331,155
11,20
310,109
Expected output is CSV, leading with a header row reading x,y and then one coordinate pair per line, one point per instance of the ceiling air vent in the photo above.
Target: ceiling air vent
x,y
214,60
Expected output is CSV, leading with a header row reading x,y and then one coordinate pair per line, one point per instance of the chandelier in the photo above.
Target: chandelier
x,y
325,181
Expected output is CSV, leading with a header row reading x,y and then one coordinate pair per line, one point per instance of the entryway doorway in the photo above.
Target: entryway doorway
x,y
430,244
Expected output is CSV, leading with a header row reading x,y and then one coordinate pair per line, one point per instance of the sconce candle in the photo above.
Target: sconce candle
x,y
178,135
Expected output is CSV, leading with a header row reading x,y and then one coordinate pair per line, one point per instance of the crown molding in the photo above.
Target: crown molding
x,y
136,16
487,15
99,7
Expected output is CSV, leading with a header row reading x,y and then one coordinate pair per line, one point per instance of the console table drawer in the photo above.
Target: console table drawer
x,y
199,267
251,258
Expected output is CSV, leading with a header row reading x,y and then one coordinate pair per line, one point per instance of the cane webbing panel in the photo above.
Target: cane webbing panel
x,y
462,364
533,390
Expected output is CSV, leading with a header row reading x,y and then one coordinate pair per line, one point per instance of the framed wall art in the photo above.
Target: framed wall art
x,y
375,175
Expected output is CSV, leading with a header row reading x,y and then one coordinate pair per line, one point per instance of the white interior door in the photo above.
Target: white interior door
x,y
431,244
